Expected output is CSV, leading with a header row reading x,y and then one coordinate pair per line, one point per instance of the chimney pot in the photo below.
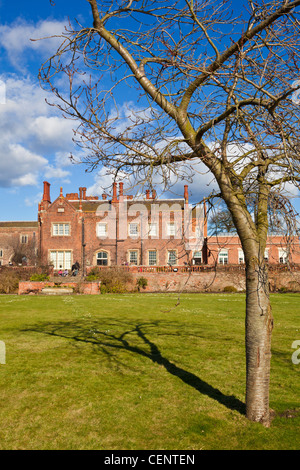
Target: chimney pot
x,y
83,193
148,194
153,194
104,196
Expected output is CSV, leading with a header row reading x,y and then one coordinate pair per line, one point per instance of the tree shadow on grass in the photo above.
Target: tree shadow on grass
x,y
133,337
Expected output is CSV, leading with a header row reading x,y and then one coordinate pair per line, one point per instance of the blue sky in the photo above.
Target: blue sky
x,y
36,140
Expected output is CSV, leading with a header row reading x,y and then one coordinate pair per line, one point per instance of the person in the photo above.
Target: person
x,y
66,273
60,273
75,268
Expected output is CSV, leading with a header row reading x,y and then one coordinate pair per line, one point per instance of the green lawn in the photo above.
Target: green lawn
x,y
134,371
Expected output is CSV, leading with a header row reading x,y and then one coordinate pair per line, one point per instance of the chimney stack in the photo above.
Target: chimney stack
x,y
114,198
153,194
104,196
121,190
186,193
83,193
148,194
80,193
46,195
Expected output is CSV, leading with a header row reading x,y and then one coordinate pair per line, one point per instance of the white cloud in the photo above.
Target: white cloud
x,y
32,135
52,172
19,166
17,37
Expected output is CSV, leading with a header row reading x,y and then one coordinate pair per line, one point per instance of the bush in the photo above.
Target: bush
x,y
39,277
283,290
113,279
92,277
9,282
141,282
230,289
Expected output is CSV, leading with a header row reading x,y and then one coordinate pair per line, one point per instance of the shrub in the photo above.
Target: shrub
x,y
92,277
113,279
39,277
141,282
230,289
9,282
283,290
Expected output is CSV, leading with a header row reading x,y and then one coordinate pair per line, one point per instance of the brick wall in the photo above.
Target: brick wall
x,y
35,287
214,281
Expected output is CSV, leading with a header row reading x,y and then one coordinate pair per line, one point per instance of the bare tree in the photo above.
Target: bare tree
x,y
206,86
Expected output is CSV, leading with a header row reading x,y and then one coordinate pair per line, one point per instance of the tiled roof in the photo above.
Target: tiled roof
x,y
26,224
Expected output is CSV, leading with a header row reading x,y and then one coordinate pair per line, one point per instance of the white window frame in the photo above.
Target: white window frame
x,y
24,239
174,262
223,255
103,259
171,229
282,256
61,259
266,255
61,229
136,261
133,229
152,262
105,231
197,257
241,256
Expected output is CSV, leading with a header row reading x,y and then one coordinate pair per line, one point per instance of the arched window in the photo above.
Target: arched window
x,y
102,258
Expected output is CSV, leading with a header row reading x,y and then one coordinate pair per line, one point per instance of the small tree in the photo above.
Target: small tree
x,y
207,87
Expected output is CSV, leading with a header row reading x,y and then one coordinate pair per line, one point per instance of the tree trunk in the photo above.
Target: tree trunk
x,y
259,324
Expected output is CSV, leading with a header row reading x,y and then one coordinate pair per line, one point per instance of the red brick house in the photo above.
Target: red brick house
x,y
144,231
118,231
19,238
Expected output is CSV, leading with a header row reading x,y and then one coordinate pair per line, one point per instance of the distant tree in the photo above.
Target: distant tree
x,y
24,253
205,86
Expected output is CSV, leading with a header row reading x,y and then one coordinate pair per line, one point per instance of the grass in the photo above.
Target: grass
x,y
133,371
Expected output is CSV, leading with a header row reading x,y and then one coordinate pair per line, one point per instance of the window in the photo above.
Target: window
x,y
60,229
133,229
61,259
133,257
1,253
102,258
153,230
266,255
152,255
24,239
101,230
241,257
198,257
171,229
172,257
223,257
283,256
